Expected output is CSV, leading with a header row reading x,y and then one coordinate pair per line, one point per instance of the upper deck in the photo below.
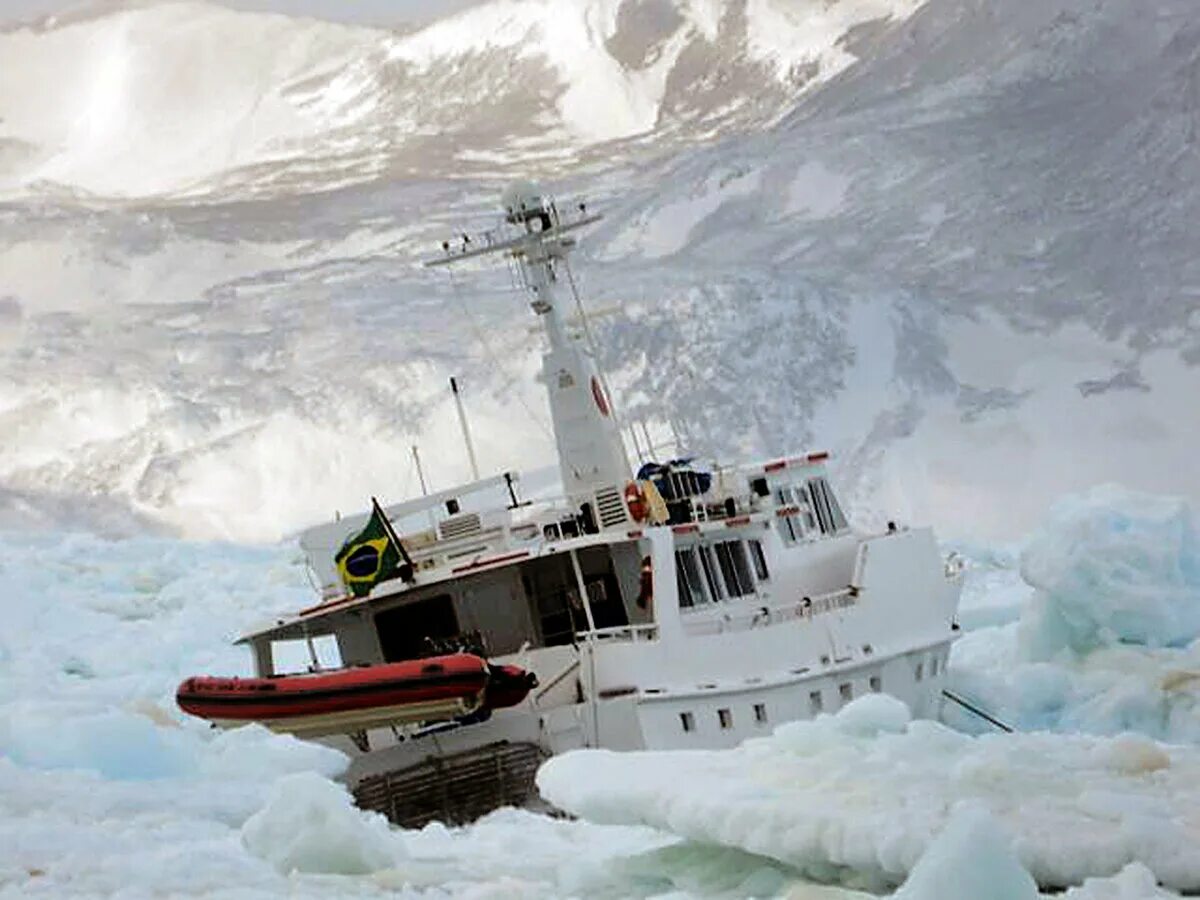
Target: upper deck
x,y
454,534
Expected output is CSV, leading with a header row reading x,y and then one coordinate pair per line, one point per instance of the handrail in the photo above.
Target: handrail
x,y
635,633
771,615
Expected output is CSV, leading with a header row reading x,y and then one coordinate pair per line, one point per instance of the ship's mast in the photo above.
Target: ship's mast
x,y
591,455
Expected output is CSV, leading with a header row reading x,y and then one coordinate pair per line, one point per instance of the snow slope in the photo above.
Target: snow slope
x,y
190,99
926,261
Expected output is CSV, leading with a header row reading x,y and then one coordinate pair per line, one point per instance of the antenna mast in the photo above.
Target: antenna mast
x,y
591,453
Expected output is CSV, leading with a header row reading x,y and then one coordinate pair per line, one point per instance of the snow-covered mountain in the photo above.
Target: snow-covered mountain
x,y
954,242
196,100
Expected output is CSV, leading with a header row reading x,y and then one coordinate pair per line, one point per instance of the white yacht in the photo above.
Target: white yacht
x,y
677,606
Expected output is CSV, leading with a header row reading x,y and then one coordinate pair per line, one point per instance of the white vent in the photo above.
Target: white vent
x,y
460,526
611,507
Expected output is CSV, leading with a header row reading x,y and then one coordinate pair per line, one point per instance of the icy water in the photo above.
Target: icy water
x,y
106,790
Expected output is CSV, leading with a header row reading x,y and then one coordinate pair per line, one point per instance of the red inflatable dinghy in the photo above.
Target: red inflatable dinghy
x,y
346,700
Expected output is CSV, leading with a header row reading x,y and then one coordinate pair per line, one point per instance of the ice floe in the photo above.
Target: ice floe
x,y
855,797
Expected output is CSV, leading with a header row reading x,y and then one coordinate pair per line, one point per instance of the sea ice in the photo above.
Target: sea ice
x,y
1108,638
834,798
972,857
311,825
1112,566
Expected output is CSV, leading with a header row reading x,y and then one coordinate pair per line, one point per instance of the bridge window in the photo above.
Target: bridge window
x,y
725,717
829,515
920,671
876,683
687,721
846,689
687,578
711,577
816,702
760,713
760,560
731,555
789,527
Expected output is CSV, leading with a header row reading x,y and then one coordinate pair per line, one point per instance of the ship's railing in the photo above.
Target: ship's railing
x,y
631,633
767,615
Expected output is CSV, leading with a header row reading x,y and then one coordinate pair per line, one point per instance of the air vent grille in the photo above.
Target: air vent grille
x,y
611,507
459,526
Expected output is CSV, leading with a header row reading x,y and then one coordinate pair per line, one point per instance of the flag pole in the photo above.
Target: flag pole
x,y
392,536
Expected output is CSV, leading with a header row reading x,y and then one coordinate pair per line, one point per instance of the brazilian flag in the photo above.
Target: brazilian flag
x,y
369,557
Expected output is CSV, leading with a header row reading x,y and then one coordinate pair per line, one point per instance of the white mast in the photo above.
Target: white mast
x,y
462,421
591,454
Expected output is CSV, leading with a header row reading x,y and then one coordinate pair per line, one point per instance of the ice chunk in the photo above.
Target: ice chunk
x,y
310,825
1112,566
1134,882
1107,640
114,743
972,857
829,800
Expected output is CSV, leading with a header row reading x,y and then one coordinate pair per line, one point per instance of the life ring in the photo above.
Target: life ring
x,y
635,500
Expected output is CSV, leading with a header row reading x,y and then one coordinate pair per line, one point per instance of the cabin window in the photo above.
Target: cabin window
x,y
816,702
688,578
933,666
731,555
829,515
760,713
824,520
789,528
876,683
687,721
920,671
725,717
711,577
760,560
288,657
415,628
846,689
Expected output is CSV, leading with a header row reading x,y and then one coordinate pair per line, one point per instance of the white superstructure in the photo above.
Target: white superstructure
x,y
690,608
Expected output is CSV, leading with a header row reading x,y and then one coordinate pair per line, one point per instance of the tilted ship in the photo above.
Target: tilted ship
x,y
679,606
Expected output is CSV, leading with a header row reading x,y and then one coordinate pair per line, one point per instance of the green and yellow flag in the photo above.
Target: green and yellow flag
x,y
369,557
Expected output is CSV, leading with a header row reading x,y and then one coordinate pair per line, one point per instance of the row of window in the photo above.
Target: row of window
x,y
816,704
819,510
708,573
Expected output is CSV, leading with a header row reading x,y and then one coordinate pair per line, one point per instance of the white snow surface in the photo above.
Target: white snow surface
x,y
183,99
835,797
